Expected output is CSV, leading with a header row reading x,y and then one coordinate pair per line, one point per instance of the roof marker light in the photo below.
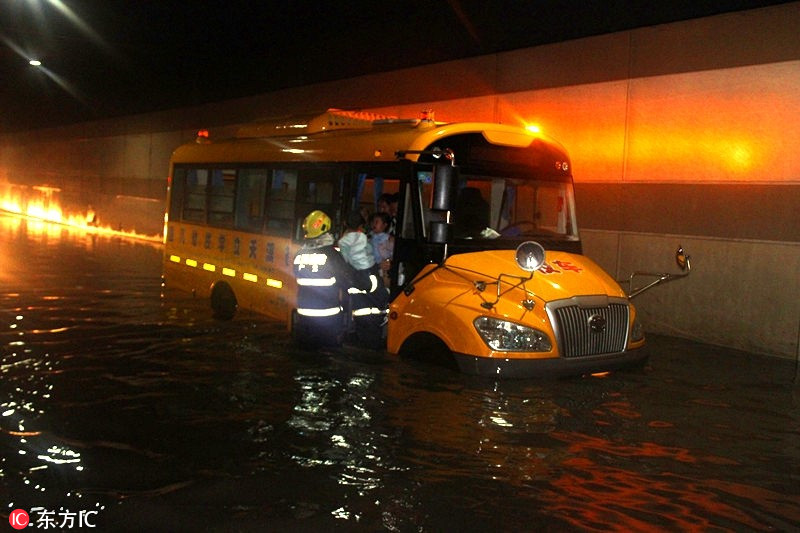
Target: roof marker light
x,y
203,137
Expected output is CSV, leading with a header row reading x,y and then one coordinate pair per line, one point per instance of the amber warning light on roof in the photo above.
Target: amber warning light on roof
x,y
202,137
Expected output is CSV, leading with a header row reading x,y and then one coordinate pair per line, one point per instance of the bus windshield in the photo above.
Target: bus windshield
x,y
490,207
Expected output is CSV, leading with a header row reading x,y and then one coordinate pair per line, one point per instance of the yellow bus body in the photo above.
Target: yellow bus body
x,y
265,287
569,300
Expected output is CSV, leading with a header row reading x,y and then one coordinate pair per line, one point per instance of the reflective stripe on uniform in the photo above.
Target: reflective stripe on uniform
x,y
316,282
331,311
365,311
313,260
373,279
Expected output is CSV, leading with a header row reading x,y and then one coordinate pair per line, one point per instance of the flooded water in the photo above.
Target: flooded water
x,y
133,410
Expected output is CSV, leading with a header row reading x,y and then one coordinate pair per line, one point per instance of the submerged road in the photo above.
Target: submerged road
x,y
129,409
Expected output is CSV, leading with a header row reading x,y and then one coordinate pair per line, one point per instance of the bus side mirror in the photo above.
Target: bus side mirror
x,y
445,179
682,259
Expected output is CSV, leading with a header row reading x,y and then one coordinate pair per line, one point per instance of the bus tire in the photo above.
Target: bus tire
x,y
223,301
428,348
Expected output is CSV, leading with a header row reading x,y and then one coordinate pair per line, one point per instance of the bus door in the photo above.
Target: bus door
x,y
381,188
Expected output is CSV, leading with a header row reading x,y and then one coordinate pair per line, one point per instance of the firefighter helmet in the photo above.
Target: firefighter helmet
x,y
316,223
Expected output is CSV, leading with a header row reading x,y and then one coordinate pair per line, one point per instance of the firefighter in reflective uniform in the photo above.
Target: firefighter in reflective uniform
x,y
322,276
370,308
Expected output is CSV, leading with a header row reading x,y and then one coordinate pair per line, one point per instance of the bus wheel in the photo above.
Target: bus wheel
x,y
223,301
430,349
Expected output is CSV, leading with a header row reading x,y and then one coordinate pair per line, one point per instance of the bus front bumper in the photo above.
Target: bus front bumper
x,y
504,368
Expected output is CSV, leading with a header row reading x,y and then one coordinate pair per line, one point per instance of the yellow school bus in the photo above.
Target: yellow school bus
x,y
487,265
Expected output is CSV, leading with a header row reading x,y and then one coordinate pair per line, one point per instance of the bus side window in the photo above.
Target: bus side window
x,y
281,202
317,188
220,197
176,193
251,190
194,202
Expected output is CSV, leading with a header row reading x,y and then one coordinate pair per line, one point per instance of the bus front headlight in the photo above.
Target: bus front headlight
x,y
505,336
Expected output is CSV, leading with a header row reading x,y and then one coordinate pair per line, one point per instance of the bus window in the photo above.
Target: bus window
x,y
318,188
281,202
251,190
369,190
176,193
220,197
405,212
549,209
471,211
425,186
194,203
491,208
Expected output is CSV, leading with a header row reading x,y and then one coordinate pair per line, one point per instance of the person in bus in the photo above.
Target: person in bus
x,y
387,203
354,244
322,276
382,243
368,305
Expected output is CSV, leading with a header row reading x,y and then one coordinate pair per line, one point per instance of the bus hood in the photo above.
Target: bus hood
x,y
444,300
563,275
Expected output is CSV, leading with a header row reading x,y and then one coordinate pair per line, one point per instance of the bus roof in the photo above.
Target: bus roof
x,y
337,136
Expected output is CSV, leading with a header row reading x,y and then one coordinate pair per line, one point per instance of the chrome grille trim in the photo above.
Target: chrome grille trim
x,y
574,335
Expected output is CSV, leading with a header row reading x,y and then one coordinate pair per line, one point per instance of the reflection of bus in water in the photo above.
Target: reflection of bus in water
x,y
469,195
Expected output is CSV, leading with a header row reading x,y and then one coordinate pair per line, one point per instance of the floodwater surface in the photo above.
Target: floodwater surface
x,y
131,409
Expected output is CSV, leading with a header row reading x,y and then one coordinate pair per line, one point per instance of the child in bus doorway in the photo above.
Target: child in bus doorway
x,y
368,306
354,244
382,243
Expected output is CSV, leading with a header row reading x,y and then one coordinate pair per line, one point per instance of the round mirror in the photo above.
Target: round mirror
x,y
530,256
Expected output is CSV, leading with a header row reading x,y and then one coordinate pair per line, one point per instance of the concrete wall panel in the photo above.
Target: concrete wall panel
x,y
162,146
740,293
137,156
754,37
578,62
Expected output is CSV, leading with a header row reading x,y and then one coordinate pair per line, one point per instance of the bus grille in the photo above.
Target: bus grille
x,y
591,330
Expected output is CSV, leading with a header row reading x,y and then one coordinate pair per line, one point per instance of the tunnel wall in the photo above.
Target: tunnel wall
x,y
679,134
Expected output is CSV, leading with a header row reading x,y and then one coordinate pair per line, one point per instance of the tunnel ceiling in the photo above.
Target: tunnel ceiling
x,y
116,57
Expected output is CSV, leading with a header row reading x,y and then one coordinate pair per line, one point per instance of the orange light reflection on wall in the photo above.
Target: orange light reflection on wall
x,y
727,125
